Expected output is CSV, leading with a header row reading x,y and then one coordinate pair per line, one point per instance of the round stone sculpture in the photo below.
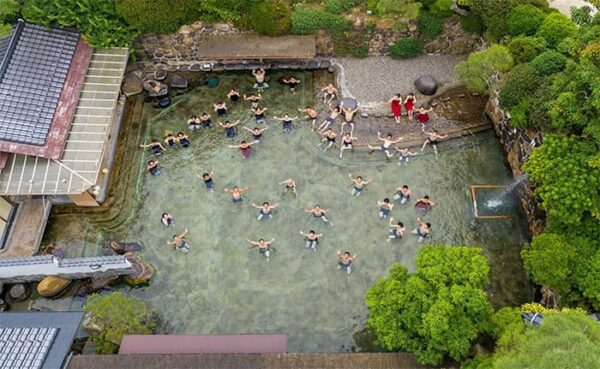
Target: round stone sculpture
x,y
427,85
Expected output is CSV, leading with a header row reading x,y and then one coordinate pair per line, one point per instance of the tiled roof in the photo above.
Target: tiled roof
x,y
32,75
31,340
4,42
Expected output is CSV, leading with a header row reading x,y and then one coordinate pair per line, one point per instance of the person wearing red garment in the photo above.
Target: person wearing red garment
x,y
409,104
396,106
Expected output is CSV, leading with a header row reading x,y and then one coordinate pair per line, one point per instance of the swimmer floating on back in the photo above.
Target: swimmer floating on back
x,y
312,239
292,83
358,184
259,114
334,113
220,108
153,167
233,95
266,210
208,181
433,139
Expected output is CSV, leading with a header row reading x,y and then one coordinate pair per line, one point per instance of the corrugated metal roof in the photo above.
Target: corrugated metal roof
x,y
32,75
79,166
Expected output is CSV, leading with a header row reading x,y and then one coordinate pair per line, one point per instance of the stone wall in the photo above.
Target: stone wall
x,y
518,145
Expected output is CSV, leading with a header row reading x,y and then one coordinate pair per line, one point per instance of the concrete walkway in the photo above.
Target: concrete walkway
x,y
374,80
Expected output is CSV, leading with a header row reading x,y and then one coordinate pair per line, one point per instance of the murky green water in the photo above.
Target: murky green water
x,y
222,286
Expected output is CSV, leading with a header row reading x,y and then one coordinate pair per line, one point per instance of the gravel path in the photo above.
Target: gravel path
x,y
565,5
376,79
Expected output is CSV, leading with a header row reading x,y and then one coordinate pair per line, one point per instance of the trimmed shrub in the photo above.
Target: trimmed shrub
x,y
271,18
549,62
408,9
518,115
9,11
441,8
341,6
430,25
158,16
406,47
473,23
524,20
521,83
5,29
306,21
524,49
581,15
555,28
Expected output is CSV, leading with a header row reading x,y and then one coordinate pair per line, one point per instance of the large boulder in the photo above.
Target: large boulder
x,y
120,248
143,271
178,81
349,103
95,284
427,85
155,88
18,292
52,286
132,85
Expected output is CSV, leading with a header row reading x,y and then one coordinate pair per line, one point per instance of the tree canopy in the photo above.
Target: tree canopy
x,y
439,310
476,72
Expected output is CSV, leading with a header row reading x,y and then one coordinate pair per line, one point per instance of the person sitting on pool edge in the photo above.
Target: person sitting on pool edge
x,y
422,229
345,260
179,243
333,114
311,114
153,167
266,210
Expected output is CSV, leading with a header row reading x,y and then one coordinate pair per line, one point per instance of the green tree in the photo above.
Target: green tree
x,y
549,62
476,72
556,27
117,315
524,19
158,16
564,340
567,185
524,48
521,83
439,310
9,11
271,17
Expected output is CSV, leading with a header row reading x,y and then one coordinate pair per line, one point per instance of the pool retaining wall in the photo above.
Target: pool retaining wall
x,y
518,145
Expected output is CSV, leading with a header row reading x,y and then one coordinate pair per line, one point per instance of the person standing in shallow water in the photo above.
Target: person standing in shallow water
x,y
312,239
396,230
264,247
208,181
422,229
358,184
220,109
266,210
329,93
387,142
345,260
317,212
290,186
233,96
236,194
385,207
229,128
259,77
404,155
287,122
245,148
179,243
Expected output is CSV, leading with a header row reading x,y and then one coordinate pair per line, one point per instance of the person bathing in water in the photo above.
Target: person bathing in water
x,y
358,184
317,212
254,100
402,193
287,122
433,139
347,143
257,133
205,120
155,146
259,114
259,77
183,139
333,114
292,83
153,167
264,247
179,243
245,148
345,260
405,154
424,204
266,210
229,128
348,118
312,239
311,115
387,142
167,220
171,141
290,186
193,123
396,230
422,229
328,136
329,93
385,207
220,109
236,194
233,96
207,178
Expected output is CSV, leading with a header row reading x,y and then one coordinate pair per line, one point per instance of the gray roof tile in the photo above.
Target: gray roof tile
x,y
32,75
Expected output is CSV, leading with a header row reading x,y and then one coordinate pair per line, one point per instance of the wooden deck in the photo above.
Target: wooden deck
x,y
252,47
27,229
249,361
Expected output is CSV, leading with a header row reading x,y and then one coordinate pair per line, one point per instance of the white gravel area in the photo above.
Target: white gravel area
x,y
376,79
565,5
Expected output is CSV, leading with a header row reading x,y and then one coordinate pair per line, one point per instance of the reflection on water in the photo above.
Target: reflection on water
x,y
222,286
